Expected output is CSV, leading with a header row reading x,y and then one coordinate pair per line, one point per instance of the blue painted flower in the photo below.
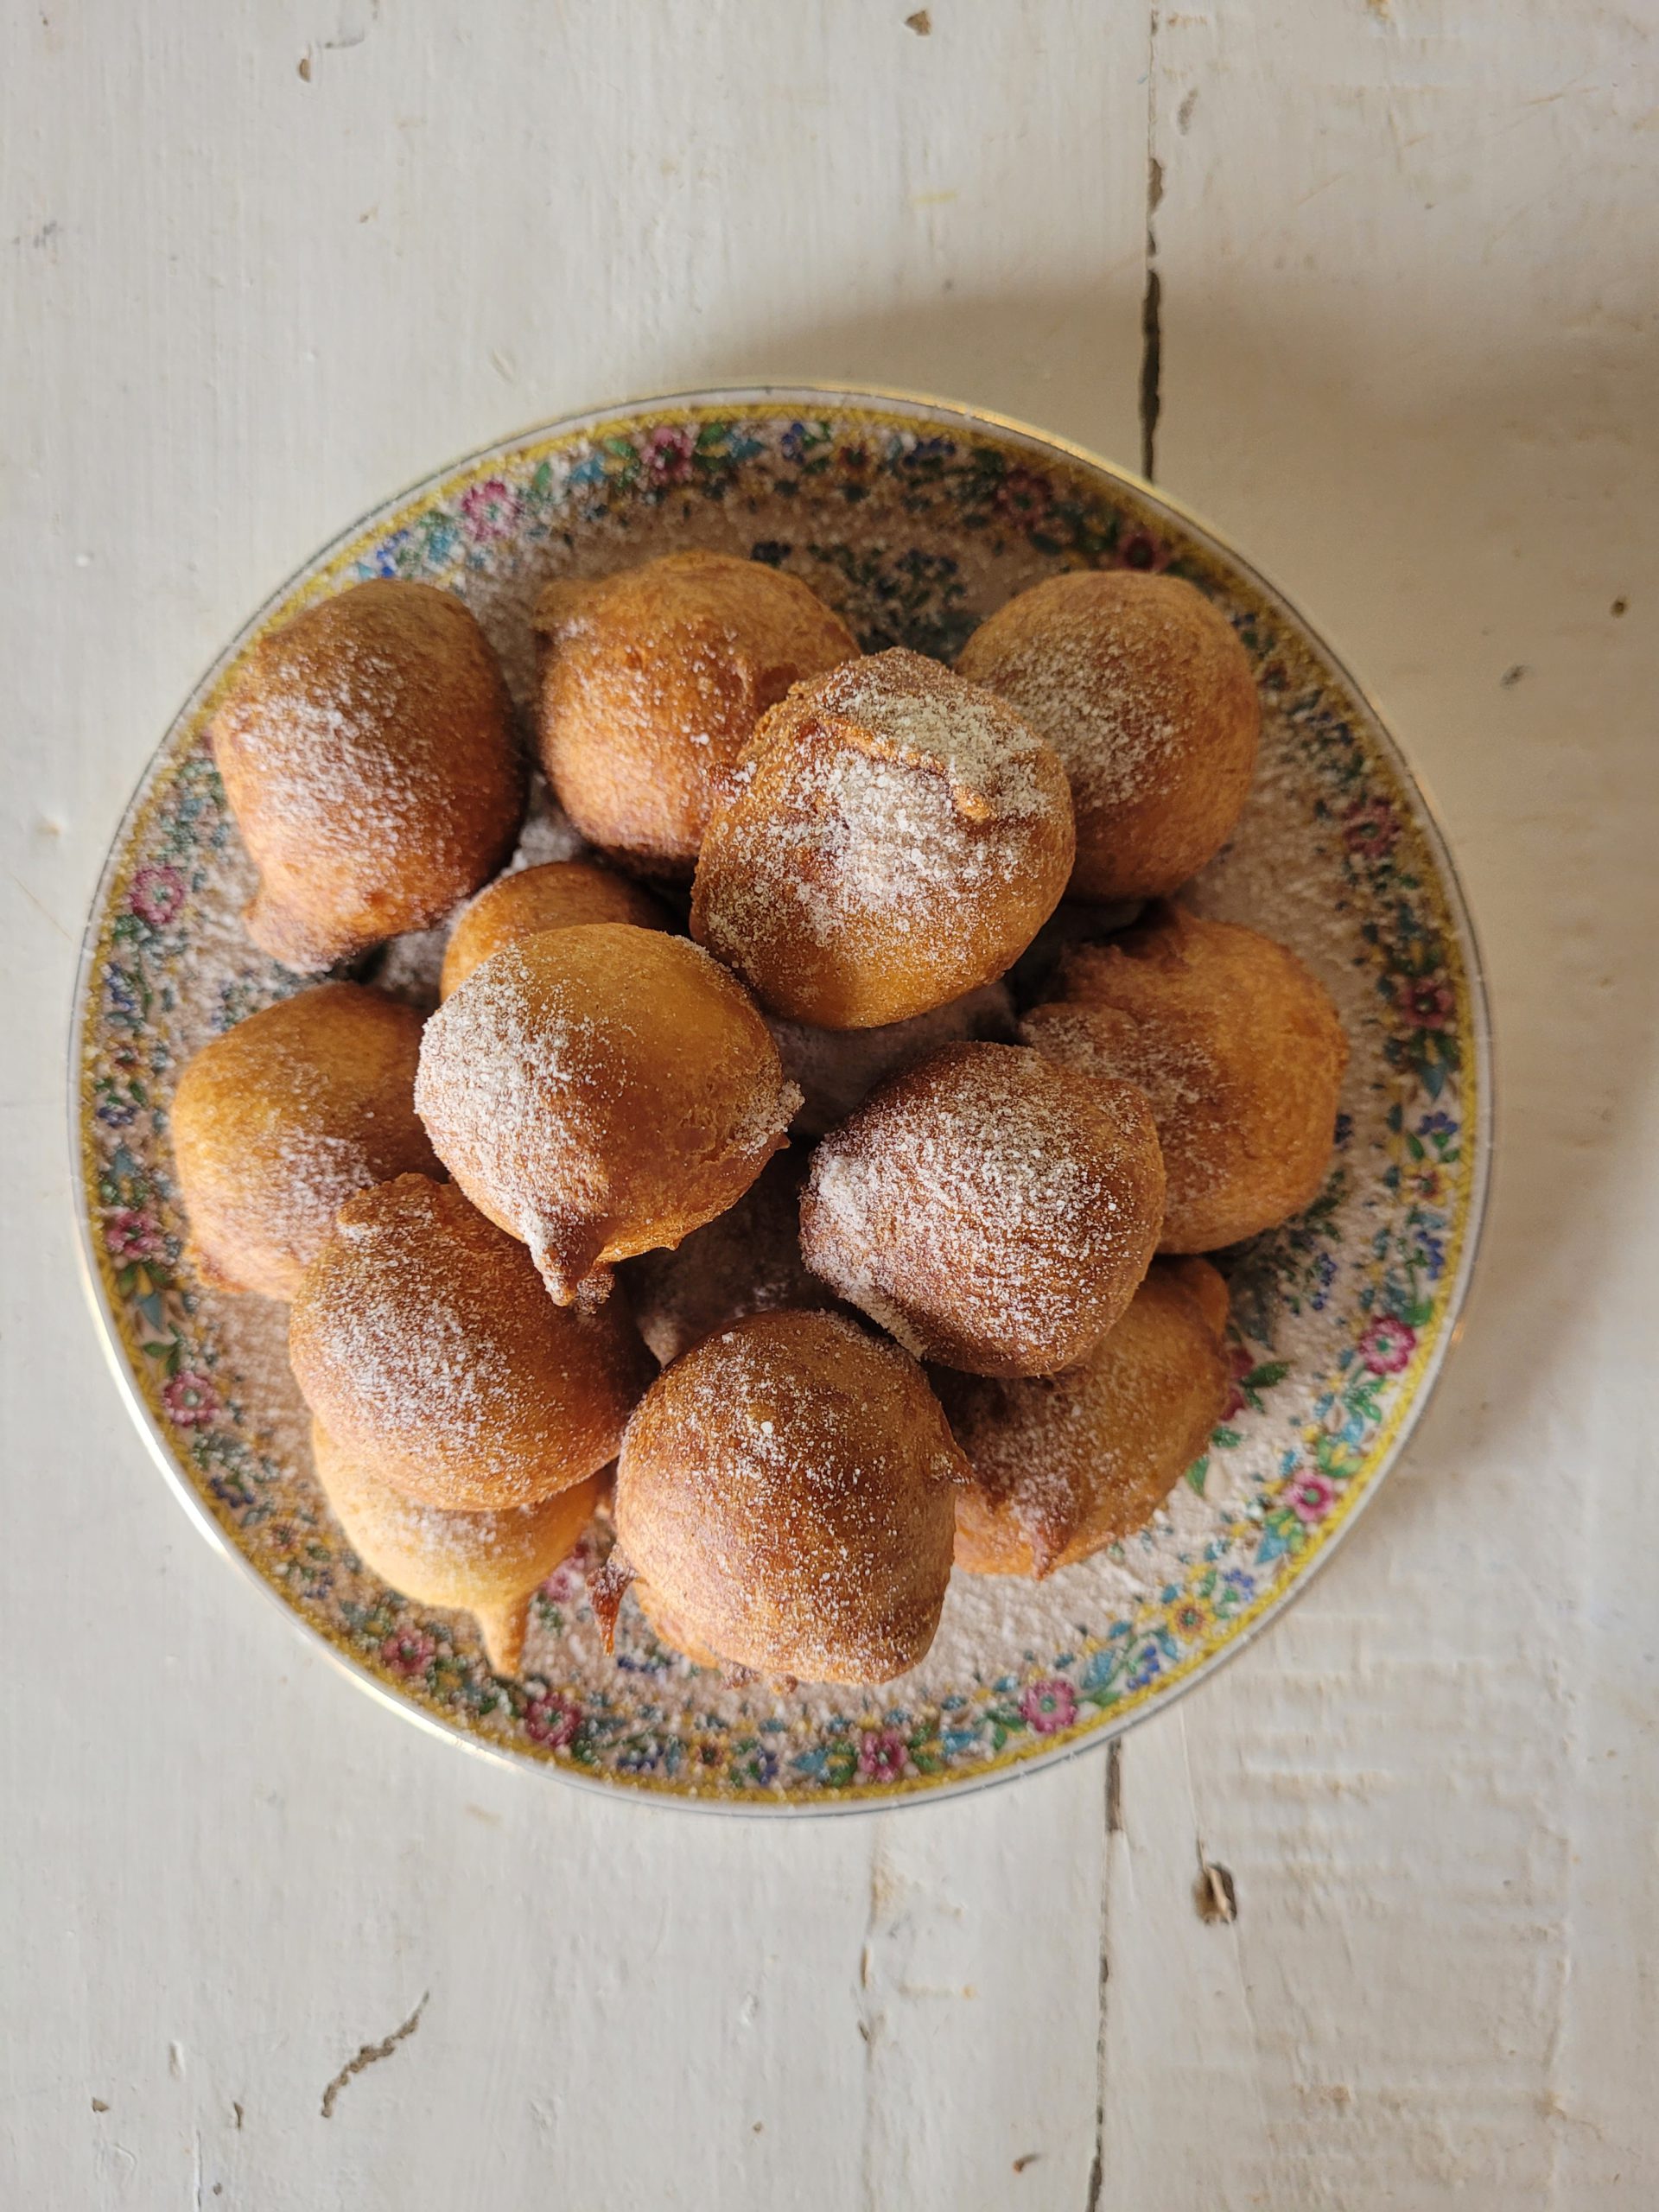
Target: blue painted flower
x,y
792,444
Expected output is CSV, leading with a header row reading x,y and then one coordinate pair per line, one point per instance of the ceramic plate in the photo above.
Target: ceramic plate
x,y
913,519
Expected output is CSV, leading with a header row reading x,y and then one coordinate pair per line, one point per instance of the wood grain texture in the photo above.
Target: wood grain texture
x,y
1406,356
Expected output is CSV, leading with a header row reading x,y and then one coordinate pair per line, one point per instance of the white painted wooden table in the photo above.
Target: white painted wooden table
x,y
262,261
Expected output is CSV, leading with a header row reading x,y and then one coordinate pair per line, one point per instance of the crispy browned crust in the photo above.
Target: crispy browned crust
x,y
785,1490
1067,1464
473,1560
1144,691
991,1217
427,1348
280,1121
1238,1046
599,1091
998,839
558,895
368,755
651,681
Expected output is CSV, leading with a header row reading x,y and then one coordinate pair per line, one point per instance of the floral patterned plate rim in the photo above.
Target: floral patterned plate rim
x,y
915,516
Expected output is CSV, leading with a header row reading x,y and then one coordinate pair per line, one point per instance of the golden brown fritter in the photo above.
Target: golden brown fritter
x,y
785,1495
1144,691
278,1122
988,1216
893,838
651,683
557,895
1066,1464
599,1091
427,1348
1237,1045
368,755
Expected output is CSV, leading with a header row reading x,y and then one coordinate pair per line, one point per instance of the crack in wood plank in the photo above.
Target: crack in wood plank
x,y
1152,295
1112,1810
370,2053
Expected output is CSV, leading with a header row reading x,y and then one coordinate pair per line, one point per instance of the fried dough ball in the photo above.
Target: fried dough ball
x,y
428,1350
368,756
1067,1463
745,1261
557,895
651,684
785,1495
599,1091
1238,1047
485,1564
893,838
837,1069
667,1627
1144,691
278,1122
988,1217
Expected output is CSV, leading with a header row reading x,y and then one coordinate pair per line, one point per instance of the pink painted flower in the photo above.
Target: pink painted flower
x,y
157,894
567,1583
1426,1002
551,1721
1050,1706
1311,1497
489,510
190,1399
1024,497
132,1236
1140,550
1370,828
1241,1362
406,1651
881,1755
1388,1345
667,452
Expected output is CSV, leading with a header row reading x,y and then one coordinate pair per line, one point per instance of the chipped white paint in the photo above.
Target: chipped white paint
x,y
1404,257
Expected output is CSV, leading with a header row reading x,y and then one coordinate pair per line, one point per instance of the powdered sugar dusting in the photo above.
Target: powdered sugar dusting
x,y
785,1488
985,1213
892,788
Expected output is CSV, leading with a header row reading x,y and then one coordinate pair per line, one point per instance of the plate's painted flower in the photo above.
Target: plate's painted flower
x,y
881,1755
190,1399
1426,1002
1243,1362
1140,550
1191,1618
406,1651
567,1583
1370,828
1388,1345
1311,1497
1024,497
667,453
551,1719
490,509
131,1234
157,895
1049,1706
